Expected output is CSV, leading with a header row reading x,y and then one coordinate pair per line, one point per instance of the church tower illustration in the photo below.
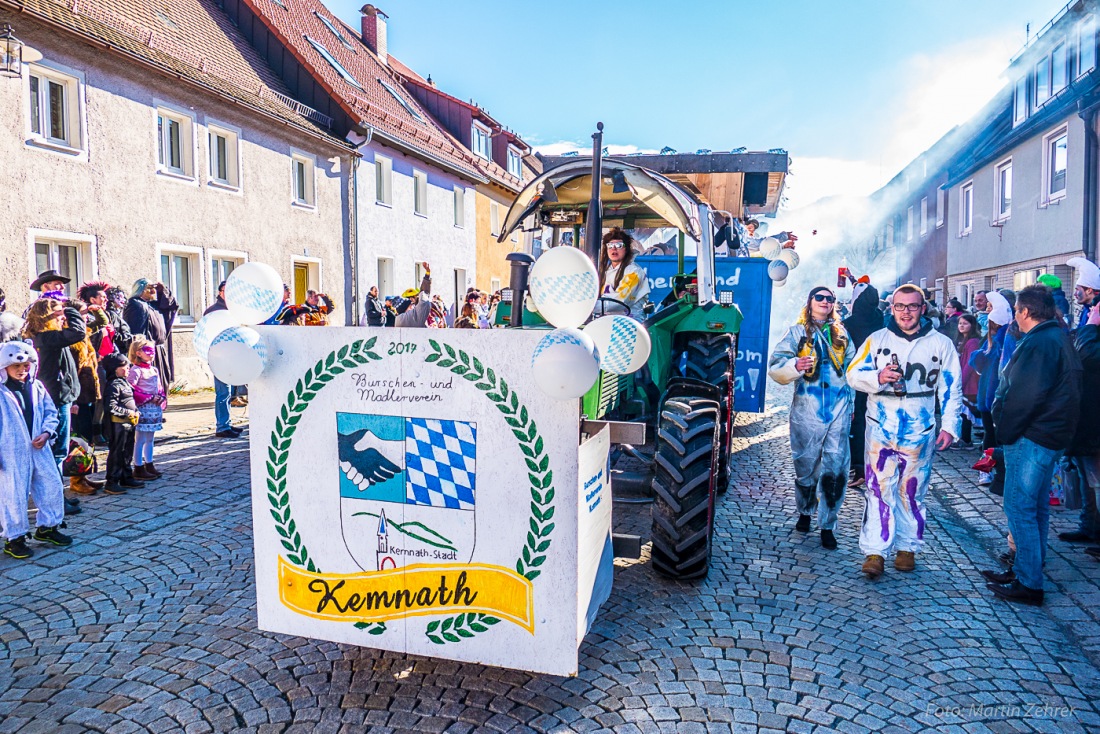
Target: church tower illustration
x,y
384,559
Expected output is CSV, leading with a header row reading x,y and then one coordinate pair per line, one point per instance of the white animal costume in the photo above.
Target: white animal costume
x,y
25,470
821,415
901,430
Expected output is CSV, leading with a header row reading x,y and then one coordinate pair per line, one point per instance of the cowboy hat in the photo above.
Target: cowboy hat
x,y
48,276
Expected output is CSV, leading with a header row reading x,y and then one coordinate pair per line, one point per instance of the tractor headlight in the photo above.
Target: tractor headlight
x,y
725,298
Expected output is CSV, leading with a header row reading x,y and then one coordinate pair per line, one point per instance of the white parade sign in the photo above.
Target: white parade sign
x,y
413,490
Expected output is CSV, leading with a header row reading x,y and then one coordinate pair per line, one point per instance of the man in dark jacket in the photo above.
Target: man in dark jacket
x,y
1086,442
223,428
376,314
865,320
1036,412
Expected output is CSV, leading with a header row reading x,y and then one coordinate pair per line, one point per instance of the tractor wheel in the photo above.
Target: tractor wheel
x,y
711,358
683,487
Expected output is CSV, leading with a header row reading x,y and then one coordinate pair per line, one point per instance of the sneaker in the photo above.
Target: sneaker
x,y
131,483
905,561
229,433
17,548
1075,537
985,478
1017,592
873,566
1006,577
828,540
72,507
116,487
53,536
803,524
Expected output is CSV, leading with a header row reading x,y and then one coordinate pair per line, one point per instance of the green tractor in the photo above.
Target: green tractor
x,y
685,393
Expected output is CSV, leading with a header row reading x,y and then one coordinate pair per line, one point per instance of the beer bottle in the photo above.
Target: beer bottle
x,y
899,386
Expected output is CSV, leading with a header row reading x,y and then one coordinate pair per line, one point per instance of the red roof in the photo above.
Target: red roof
x,y
368,100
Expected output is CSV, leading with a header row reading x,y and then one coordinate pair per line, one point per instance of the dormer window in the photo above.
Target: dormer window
x,y
402,101
332,27
337,67
515,162
480,141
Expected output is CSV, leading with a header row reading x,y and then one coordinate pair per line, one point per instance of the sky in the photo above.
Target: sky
x,y
852,89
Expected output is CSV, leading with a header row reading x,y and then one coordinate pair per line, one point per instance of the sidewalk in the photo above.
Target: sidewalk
x,y
192,414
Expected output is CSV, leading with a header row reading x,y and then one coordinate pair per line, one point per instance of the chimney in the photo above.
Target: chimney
x,y
374,31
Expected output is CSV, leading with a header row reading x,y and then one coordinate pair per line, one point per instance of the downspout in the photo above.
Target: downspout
x,y
1089,215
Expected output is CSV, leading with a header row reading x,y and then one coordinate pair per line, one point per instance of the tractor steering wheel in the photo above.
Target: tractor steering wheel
x,y
603,310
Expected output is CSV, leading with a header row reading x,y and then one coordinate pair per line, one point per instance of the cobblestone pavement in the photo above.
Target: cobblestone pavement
x,y
148,624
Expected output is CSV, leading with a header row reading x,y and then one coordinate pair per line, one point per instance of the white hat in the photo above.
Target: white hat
x,y
16,353
1001,313
1088,275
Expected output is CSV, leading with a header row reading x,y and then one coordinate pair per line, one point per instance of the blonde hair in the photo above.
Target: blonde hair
x,y
135,348
38,317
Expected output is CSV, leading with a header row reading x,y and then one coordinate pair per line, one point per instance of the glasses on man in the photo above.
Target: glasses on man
x,y
822,298
911,307
615,245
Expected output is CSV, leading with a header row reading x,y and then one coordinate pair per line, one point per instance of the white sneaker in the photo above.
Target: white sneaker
x,y
984,479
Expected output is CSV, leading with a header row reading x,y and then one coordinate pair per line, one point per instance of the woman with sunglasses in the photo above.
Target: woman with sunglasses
x,y
814,354
622,281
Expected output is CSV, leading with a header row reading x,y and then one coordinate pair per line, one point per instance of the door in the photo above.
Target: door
x,y
301,282
460,288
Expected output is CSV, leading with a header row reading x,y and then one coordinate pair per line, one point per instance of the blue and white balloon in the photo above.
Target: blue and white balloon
x,y
237,355
565,364
623,344
208,328
778,270
253,293
564,286
770,248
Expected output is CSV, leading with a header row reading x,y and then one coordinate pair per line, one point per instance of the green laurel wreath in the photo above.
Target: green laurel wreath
x,y
458,362
316,377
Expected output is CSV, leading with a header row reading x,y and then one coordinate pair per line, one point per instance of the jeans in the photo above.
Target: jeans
x,y
1029,469
221,405
60,445
1090,488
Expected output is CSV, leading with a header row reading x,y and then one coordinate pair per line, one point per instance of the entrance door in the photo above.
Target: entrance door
x,y
301,282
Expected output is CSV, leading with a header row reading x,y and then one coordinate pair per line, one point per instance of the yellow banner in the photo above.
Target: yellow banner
x,y
412,591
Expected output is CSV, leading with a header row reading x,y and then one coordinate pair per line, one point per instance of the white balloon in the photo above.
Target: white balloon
x,y
779,283
770,248
253,293
564,286
565,364
237,356
777,270
623,344
209,327
790,257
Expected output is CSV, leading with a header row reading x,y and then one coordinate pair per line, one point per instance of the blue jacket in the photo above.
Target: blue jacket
x,y
986,362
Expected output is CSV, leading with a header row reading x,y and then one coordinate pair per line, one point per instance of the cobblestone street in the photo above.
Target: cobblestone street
x,y
148,623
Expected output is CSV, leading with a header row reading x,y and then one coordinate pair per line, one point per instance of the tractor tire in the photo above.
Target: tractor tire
x,y
712,358
683,487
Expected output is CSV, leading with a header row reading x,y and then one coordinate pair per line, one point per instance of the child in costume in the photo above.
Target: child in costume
x,y
815,353
122,416
28,423
150,398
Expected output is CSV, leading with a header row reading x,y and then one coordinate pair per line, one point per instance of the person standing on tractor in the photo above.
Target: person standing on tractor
x,y
621,279
904,369
815,354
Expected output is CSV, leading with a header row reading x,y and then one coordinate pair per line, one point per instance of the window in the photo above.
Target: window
x,y
941,202
966,208
302,183
1024,278
494,218
54,107
1054,165
962,292
494,285
924,215
939,290
402,101
334,63
479,144
460,206
909,225
1002,190
1086,46
220,268
333,29
383,180
175,143
224,167
420,193
418,272
1042,81
180,272
385,277
72,259
515,163
1019,107
1059,68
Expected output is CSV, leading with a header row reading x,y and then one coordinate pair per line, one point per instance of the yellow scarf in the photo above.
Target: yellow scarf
x,y
835,336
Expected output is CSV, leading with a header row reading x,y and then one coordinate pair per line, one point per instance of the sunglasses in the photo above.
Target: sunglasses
x,y
822,298
615,245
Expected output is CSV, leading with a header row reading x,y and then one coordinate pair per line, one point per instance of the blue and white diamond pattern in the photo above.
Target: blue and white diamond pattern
x,y
248,295
439,463
570,288
554,338
242,335
620,349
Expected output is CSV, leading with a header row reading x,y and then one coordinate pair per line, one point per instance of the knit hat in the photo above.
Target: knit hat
x,y
17,353
1088,275
1050,281
1001,312
112,362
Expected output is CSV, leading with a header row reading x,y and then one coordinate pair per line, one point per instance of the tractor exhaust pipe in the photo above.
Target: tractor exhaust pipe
x,y
593,224
517,283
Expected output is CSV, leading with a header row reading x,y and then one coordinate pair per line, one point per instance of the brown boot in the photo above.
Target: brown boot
x,y
153,471
81,486
905,561
141,474
873,566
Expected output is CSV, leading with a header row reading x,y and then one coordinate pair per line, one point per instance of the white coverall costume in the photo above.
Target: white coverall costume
x,y
25,470
633,290
821,416
901,431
